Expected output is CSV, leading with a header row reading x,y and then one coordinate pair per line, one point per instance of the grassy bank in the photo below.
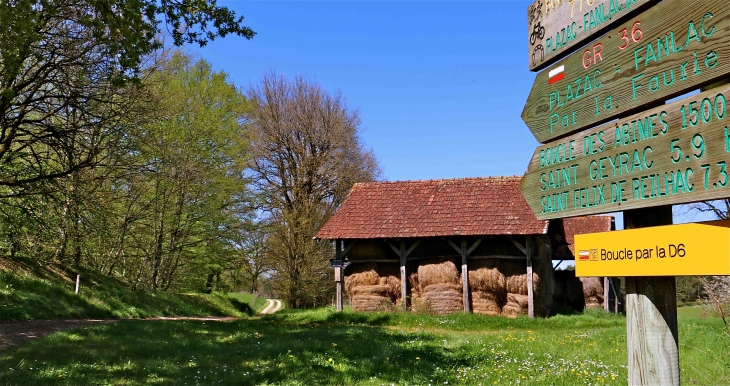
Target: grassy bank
x,y
323,347
29,291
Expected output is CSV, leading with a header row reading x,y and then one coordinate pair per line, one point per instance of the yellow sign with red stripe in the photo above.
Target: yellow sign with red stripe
x,y
697,249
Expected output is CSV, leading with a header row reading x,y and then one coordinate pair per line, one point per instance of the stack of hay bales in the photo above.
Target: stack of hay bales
x,y
390,276
488,287
515,273
363,286
592,291
439,287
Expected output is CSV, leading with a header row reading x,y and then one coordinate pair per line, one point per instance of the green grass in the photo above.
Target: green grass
x,y
324,347
38,292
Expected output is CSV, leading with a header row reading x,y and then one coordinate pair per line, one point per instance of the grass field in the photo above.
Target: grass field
x,y
323,347
45,292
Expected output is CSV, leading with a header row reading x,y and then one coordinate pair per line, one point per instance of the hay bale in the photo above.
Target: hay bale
x,y
486,303
394,286
379,290
414,286
361,274
515,273
443,298
370,303
485,276
516,305
371,298
592,291
437,273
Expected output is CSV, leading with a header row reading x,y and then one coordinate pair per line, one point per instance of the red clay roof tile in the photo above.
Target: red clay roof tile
x,y
463,207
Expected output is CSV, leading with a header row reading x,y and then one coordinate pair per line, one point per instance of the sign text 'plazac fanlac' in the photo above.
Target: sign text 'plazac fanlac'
x,y
671,250
672,154
673,47
555,26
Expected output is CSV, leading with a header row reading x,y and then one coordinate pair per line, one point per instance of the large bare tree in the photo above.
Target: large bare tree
x,y
306,155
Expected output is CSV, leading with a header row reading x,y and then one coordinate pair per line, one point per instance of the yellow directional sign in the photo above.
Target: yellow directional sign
x,y
698,249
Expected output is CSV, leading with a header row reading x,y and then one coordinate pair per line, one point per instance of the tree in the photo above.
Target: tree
x,y
66,67
190,186
306,155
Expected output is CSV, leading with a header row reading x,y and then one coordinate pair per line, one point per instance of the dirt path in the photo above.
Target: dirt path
x,y
16,333
273,306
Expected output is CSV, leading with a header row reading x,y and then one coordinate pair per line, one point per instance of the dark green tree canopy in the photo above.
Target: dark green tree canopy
x,y
65,70
124,29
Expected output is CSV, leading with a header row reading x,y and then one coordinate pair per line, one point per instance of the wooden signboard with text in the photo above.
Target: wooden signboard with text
x,y
671,250
673,47
675,153
556,27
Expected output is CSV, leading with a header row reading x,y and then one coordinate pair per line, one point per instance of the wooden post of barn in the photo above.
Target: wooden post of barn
x,y
338,273
651,314
403,275
465,276
606,294
530,288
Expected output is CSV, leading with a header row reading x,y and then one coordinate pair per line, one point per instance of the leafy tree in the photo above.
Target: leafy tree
x,y
63,70
190,186
306,155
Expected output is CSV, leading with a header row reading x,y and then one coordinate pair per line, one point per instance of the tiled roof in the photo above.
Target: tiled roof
x,y
456,207
587,224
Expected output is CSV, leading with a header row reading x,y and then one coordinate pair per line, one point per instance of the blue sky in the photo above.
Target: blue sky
x,y
440,85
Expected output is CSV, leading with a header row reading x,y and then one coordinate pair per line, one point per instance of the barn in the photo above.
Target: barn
x,y
467,244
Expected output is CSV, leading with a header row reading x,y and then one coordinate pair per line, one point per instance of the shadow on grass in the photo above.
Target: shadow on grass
x,y
240,352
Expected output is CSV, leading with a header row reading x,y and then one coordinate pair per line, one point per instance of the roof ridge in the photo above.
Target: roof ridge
x,y
441,180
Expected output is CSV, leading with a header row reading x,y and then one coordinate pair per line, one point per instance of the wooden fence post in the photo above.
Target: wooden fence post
x,y
338,274
529,247
78,283
403,275
651,314
465,276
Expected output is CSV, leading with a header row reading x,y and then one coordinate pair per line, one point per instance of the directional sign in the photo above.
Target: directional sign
x,y
673,47
675,153
555,27
701,249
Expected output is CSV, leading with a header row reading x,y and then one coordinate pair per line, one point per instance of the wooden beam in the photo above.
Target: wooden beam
x,y
465,276
338,274
606,294
393,247
403,275
651,314
412,248
373,261
530,289
518,245
347,249
506,257
453,245
474,246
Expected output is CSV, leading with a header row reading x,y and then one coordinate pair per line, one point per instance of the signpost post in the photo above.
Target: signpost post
x,y
671,48
640,162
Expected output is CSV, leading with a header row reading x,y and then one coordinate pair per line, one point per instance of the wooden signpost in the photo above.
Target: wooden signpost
x,y
671,250
640,162
671,154
673,47
555,27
